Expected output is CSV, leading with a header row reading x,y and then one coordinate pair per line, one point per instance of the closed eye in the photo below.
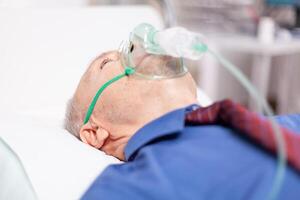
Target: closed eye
x,y
104,62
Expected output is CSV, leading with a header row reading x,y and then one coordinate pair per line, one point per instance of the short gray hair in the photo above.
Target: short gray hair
x,y
73,118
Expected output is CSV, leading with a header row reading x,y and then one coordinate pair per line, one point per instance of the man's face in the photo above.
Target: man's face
x,y
127,104
114,108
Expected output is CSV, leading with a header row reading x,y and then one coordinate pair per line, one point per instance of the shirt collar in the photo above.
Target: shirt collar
x,y
170,123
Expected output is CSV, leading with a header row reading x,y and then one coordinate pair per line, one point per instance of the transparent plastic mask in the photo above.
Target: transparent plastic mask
x,y
145,58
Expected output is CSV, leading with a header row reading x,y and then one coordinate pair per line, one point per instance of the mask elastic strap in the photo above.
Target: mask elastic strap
x,y
128,71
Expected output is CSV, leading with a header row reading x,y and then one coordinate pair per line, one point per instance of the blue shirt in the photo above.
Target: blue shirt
x,y
169,160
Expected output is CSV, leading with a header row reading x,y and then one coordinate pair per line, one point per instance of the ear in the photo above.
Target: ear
x,y
94,136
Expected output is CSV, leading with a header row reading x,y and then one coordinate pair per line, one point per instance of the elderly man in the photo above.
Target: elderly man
x,y
152,125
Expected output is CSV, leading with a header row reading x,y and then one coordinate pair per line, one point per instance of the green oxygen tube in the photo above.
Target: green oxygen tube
x,y
281,150
178,42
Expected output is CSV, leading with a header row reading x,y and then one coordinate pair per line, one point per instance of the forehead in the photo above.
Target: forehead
x,y
91,79
93,68
83,91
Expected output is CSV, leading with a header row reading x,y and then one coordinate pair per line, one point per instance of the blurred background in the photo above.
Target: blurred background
x,y
261,37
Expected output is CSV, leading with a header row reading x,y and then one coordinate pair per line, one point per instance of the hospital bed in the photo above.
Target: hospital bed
x,y
43,53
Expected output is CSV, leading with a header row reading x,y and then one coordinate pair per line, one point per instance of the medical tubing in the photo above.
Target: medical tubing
x,y
281,151
20,165
128,71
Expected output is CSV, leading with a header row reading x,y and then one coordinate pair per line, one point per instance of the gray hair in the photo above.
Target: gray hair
x,y
73,118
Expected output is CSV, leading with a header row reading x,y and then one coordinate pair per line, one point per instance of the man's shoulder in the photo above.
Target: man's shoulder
x,y
130,180
205,158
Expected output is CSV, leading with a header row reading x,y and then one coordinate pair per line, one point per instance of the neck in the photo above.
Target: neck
x,y
146,114
115,147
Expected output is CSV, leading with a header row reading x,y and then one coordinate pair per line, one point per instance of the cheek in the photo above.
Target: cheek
x,y
130,96
121,96
113,95
113,68
119,93
105,75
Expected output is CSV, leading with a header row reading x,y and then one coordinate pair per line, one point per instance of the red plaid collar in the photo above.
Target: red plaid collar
x,y
250,124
